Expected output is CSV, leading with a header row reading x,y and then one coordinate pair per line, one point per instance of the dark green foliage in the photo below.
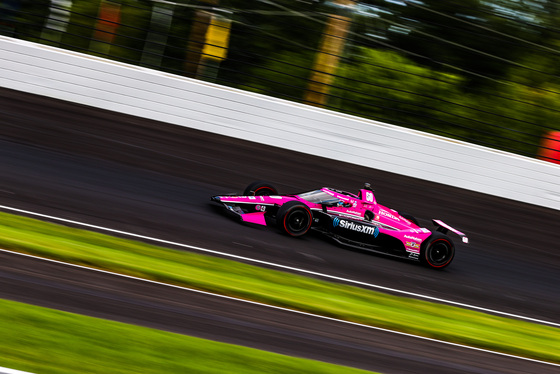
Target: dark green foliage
x,y
81,26
23,19
131,34
386,86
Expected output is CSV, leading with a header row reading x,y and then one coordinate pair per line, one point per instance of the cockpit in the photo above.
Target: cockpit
x,y
319,197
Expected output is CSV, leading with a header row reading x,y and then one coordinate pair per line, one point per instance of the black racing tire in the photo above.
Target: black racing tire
x,y
260,188
294,218
437,251
411,218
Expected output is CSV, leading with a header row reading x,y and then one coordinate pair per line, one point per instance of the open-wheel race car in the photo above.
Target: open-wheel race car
x,y
354,220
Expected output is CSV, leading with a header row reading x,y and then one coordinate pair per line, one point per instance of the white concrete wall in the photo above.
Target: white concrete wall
x,y
182,101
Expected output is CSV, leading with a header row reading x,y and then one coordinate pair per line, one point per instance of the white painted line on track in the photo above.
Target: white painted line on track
x,y
12,371
290,268
284,309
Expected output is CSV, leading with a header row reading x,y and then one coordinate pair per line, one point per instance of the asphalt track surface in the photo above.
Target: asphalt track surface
x,y
154,179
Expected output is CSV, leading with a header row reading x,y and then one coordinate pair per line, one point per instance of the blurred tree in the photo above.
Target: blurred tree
x,y
81,25
540,53
386,86
23,18
331,48
131,35
465,34
199,27
270,44
480,39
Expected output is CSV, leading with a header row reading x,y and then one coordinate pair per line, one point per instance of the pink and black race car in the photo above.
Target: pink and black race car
x,y
352,220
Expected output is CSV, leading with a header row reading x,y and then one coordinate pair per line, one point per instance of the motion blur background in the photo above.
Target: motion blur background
x,y
480,71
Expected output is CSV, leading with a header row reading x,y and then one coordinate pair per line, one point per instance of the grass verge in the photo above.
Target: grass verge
x,y
278,288
41,340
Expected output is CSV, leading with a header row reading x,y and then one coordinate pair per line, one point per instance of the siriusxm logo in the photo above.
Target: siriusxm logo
x,y
368,230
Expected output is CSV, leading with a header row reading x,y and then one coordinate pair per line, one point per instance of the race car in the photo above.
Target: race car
x,y
354,220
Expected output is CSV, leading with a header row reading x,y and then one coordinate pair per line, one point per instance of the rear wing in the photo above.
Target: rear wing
x,y
444,228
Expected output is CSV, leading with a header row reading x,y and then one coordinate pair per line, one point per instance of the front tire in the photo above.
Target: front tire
x,y
294,218
437,251
260,188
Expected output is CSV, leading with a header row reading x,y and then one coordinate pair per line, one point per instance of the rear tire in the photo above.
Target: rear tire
x,y
437,251
260,188
294,218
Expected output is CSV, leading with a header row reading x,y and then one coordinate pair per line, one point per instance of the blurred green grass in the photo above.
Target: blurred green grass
x,y
279,288
41,340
